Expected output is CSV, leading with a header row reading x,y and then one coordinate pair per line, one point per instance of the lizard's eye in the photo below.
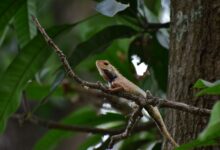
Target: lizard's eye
x,y
105,63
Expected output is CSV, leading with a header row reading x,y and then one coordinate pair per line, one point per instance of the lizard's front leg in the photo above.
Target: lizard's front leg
x,y
114,88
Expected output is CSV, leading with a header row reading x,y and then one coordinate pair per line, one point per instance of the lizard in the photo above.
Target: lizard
x,y
117,82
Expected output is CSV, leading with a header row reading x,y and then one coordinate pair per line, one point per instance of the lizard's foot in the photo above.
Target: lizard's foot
x,y
114,90
148,94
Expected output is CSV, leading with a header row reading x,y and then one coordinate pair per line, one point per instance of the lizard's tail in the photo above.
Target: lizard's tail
x,y
167,134
155,114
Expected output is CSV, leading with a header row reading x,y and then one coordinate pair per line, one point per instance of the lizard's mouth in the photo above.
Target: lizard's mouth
x,y
111,76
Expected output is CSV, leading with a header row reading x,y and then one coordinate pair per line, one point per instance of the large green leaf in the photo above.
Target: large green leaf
x,y
208,88
99,42
8,8
211,133
86,116
37,91
30,59
24,25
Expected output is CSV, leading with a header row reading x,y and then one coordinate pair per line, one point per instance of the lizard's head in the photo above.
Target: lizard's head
x,y
106,70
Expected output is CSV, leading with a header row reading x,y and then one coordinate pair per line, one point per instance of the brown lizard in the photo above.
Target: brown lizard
x,y
118,82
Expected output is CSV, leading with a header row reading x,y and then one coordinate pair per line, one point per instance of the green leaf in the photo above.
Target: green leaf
x,y
36,91
99,42
211,133
91,141
194,143
207,87
85,116
200,84
24,25
8,9
154,6
215,90
110,7
3,35
145,12
30,59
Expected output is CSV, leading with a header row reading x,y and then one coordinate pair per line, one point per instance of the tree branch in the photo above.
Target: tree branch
x,y
139,100
77,128
134,118
120,105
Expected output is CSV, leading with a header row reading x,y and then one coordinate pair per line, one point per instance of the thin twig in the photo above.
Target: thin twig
x,y
138,99
134,118
78,128
119,104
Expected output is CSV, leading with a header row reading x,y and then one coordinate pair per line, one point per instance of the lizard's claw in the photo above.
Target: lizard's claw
x,y
148,93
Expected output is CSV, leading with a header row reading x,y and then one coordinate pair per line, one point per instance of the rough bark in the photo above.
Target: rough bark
x,y
194,54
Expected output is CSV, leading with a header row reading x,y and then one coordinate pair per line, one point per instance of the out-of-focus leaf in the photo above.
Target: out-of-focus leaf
x,y
3,35
200,84
110,7
152,53
195,143
88,28
86,116
207,87
215,90
31,58
99,42
153,5
24,25
211,133
131,11
91,141
213,129
145,12
8,9
163,38
36,91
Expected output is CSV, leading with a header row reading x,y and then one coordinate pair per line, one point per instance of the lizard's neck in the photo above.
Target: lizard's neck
x,y
110,76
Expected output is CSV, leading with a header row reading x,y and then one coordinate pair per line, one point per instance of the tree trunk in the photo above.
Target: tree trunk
x,y
194,54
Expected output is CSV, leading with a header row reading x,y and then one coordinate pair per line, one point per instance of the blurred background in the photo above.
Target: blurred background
x,y
33,81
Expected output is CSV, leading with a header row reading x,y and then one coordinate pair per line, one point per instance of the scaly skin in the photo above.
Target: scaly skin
x,y
119,83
